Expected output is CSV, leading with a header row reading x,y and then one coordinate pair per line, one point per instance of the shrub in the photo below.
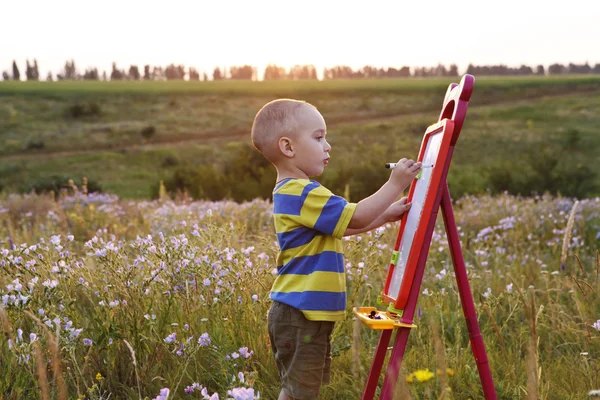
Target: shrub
x,y
170,161
79,110
148,132
35,145
54,183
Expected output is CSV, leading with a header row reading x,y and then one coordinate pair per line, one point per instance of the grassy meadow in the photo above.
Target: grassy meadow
x,y
120,294
547,127
108,298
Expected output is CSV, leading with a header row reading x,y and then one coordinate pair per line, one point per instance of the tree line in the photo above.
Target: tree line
x,y
276,72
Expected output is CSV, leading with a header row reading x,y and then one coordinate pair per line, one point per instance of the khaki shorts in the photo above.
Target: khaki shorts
x,y
302,350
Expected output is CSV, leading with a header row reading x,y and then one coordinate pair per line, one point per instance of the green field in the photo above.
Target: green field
x,y
518,131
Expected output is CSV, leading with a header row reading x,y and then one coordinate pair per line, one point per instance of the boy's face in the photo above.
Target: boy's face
x,y
310,146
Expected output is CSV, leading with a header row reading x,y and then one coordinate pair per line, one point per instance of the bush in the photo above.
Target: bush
x,y
54,183
79,110
170,161
35,145
148,132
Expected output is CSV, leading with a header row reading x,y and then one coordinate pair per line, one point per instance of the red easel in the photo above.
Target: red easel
x,y
451,119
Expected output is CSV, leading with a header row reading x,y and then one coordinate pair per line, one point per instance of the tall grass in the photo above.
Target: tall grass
x,y
125,298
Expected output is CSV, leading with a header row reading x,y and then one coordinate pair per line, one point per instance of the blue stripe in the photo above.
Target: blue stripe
x,y
297,237
327,261
289,204
280,184
330,215
312,300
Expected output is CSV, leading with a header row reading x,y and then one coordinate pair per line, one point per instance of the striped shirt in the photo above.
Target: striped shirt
x,y
310,222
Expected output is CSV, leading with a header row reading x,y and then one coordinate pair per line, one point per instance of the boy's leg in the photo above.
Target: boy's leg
x,y
284,396
302,351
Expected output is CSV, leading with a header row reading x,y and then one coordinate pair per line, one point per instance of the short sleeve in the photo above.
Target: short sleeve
x,y
326,212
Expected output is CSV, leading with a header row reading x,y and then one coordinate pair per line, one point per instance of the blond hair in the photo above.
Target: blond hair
x,y
273,121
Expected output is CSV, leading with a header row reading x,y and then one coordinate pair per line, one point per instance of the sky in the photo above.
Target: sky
x,y
205,34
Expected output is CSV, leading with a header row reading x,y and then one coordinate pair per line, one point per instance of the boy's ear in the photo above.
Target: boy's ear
x,y
286,147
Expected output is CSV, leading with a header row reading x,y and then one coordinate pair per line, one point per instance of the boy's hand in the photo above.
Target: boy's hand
x,y
406,170
396,210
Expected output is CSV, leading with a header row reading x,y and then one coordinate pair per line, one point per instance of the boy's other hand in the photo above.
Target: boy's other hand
x,y
396,210
406,170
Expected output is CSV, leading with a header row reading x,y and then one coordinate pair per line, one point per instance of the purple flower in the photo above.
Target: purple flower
x,y
87,342
242,393
245,353
596,325
164,394
171,338
204,340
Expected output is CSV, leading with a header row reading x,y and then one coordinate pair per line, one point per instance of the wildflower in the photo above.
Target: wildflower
x,y
171,338
99,377
204,340
87,342
596,325
254,297
32,337
245,353
487,293
423,375
163,395
242,394
509,287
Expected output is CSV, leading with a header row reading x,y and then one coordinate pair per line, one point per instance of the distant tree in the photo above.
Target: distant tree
x,y
193,74
104,76
31,71
596,69
134,73
579,69
217,76
244,72
556,69
36,70
539,70
91,74
69,71
5,75
116,74
28,71
274,72
205,77
49,77
175,72
298,72
147,75
342,72
16,75
453,70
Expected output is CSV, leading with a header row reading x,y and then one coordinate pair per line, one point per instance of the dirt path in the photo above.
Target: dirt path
x,y
238,134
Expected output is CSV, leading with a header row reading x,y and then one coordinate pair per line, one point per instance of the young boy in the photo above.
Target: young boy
x,y
309,293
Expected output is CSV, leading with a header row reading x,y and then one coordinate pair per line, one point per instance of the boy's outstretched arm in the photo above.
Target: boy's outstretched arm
x,y
368,210
392,214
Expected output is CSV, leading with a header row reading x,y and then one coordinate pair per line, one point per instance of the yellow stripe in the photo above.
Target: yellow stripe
x,y
313,205
344,220
325,315
317,281
318,245
293,186
286,223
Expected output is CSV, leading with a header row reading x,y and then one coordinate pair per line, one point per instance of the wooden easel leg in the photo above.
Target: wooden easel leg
x,y
380,353
466,298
